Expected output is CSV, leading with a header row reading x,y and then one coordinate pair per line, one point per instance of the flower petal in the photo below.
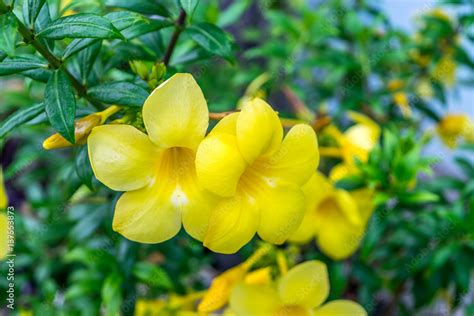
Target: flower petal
x,y
153,214
227,125
3,236
340,307
298,156
219,164
176,114
3,192
147,215
122,157
259,130
306,284
282,207
255,300
233,223
315,190
337,236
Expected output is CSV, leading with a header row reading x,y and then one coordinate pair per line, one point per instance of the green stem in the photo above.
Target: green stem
x,y
174,38
53,61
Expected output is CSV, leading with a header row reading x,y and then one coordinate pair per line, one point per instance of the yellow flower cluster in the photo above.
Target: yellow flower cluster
x,y
243,178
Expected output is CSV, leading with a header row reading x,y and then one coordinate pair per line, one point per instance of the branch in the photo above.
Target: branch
x,y
174,38
53,61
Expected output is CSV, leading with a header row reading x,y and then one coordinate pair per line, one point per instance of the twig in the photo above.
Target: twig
x,y
174,38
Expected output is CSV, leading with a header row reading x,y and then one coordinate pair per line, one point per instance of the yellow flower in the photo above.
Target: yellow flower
x,y
395,84
3,192
218,294
254,89
453,127
3,236
300,292
335,217
355,143
400,98
258,176
157,170
424,89
82,129
445,70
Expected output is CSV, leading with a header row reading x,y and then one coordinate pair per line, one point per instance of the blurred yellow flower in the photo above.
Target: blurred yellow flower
x,y
3,192
300,292
355,143
395,84
454,127
259,176
82,129
217,296
445,70
335,217
424,89
157,170
3,236
400,98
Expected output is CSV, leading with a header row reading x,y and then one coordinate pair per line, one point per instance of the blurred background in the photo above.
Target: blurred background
x,y
405,64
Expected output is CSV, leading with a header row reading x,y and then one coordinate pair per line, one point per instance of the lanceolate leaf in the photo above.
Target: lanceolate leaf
x,y
83,25
61,105
141,6
132,24
121,93
20,117
21,63
31,9
212,39
7,34
77,45
86,59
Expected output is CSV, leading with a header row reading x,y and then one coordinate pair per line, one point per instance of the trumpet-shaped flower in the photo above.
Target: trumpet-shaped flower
x,y
355,143
157,170
453,127
302,291
259,176
335,217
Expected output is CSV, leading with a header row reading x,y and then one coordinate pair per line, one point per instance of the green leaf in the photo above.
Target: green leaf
x,y
31,9
152,274
3,55
189,6
20,117
83,25
112,294
233,13
132,24
83,167
17,64
60,105
140,6
77,45
418,197
8,33
212,39
86,59
121,93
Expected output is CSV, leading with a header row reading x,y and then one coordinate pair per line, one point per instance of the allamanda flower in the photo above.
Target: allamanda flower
x,y
259,176
157,170
300,292
355,143
335,217
454,127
